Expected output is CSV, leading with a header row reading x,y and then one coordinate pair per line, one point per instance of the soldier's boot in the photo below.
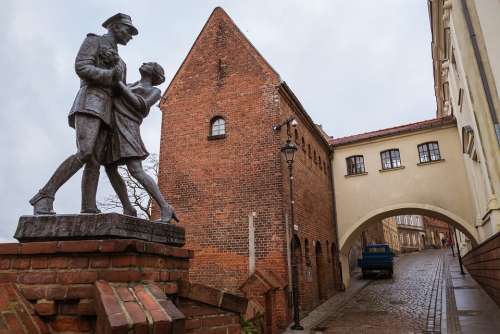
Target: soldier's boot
x,y
43,201
90,180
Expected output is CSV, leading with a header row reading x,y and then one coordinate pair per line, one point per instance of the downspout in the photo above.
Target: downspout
x,y
334,212
482,72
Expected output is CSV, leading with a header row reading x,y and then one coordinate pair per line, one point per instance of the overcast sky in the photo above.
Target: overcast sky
x,y
356,66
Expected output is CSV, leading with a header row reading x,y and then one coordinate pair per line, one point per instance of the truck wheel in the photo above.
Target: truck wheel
x,y
364,274
390,273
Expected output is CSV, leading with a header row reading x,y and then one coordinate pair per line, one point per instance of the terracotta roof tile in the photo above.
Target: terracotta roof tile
x,y
412,127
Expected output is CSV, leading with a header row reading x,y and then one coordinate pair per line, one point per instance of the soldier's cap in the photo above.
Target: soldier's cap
x,y
123,19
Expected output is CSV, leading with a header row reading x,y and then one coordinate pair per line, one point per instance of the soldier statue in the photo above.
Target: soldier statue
x,y
101,71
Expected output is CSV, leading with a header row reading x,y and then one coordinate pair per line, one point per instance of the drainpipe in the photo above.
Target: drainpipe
x,y
482,71
334,212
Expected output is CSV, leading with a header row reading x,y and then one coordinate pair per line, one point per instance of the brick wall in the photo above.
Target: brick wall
x,y
216,184
86,287
313,203
483,263
58,277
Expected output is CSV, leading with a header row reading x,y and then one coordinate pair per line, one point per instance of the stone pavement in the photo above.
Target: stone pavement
x,y
426,295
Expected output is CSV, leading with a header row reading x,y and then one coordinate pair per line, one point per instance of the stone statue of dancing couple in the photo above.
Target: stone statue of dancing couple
x,y
106,115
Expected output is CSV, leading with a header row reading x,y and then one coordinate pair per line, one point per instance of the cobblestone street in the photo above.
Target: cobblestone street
x,y
403,304
426,295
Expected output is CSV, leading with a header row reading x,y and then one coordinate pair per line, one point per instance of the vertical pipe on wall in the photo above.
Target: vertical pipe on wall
x,y
335,223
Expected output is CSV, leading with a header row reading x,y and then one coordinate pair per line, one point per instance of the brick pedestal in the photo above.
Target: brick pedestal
x,y
107,286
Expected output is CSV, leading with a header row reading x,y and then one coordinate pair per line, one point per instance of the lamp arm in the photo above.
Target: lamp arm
x,y
291,119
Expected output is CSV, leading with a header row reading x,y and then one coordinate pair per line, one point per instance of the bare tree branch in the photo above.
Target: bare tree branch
x,y
138,196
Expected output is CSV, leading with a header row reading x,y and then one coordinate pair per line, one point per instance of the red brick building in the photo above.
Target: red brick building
x,y
222,169
435,232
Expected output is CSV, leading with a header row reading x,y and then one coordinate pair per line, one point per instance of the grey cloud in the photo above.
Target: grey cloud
x,y
355,65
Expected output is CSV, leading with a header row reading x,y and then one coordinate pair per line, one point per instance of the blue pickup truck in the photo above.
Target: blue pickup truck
x,y
377,258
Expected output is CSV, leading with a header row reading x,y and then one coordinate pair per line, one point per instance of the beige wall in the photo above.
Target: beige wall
x,y
460,91
437,190
488,12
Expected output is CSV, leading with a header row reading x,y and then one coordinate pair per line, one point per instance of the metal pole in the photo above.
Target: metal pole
x,y
458,253
451,241
295,273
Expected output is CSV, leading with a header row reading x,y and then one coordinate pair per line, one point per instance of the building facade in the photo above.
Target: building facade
x,y
222,169
383,232
411,233
466,59
437,233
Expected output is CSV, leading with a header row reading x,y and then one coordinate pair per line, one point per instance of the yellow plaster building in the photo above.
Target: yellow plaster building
x,y
466,60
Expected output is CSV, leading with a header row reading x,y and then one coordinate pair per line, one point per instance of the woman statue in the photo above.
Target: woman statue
x,y
125,146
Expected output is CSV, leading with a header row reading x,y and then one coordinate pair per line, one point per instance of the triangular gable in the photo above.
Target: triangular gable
x,y
219,14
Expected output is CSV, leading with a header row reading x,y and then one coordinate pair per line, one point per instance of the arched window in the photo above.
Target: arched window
x,y
307,255
327,253
309,150
217,126
296,135
303,144
319,269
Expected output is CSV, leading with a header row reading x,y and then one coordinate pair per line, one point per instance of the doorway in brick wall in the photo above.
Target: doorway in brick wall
x,y
319,270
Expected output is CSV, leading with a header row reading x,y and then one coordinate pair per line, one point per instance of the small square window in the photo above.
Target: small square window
x,y
355,165
390,159
429,152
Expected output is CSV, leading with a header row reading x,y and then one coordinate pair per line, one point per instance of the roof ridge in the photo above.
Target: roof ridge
x,y
216,10
392,130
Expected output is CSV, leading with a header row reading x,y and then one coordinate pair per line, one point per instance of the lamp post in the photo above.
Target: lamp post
x,y
458,253
288,150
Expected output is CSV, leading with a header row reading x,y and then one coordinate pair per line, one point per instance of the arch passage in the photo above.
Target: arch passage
x,y
354,231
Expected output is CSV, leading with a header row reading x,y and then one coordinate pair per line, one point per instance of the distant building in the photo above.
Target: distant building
x,y
411,233
384,232
437,233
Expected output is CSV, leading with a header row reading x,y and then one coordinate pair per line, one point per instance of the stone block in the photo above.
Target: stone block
x,y
92,226
45,307
142,307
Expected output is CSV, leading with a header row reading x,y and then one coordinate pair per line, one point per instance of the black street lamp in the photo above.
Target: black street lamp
x,y
458,253
288,151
